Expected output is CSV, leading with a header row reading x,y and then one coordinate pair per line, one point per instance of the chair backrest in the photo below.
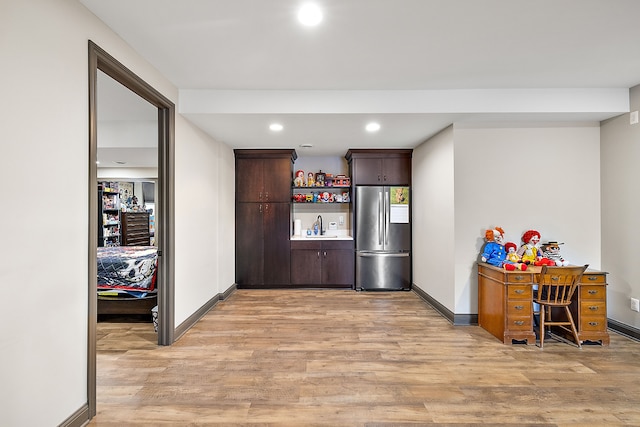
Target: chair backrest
x,y
556,285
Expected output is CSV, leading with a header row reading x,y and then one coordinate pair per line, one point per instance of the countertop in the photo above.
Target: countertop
x,y
329,235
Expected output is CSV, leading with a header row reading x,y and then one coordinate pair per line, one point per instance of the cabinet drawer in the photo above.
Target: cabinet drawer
x,y
593,278
519,292
593,292
518,308
295,244
593,323
593,308
517,323
520,278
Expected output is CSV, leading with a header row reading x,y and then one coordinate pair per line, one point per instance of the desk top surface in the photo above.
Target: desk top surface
x,y
531,269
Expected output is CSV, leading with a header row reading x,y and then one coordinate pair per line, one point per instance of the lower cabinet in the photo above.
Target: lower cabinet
x,y
322,263
262,245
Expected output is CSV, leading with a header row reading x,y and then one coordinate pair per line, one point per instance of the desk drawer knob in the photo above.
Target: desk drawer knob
x,y
519,277
519,307
519,291
592,291
519,322
592,278
593,307
594,323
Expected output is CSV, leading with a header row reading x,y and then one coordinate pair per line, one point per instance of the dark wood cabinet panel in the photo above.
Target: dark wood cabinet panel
x,y
306,266
322,263
135,229
249,244
380,167
264,179
277,248
263,211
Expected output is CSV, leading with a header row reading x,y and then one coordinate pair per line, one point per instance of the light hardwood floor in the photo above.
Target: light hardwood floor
x,y
345,358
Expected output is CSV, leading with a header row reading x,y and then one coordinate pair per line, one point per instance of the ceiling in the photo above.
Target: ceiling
x,y
414,66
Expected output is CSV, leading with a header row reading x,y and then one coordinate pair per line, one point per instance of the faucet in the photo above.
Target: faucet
x,y
320,219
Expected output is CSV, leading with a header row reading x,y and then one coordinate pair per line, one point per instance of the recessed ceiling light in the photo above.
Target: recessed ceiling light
x,y
310,15
276,127
97,162
306,145
373,127
120,162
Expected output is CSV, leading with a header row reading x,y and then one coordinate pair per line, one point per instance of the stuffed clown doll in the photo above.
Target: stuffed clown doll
x,y
512,256
494,252
529,250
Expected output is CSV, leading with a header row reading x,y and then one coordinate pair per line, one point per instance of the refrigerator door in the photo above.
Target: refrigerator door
x,y
369,218
383,271
396,235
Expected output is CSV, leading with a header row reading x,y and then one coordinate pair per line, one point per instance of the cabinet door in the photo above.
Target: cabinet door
x,y
306,266
249,180
249,244
396,171
277,180
337,267
277,248
367,171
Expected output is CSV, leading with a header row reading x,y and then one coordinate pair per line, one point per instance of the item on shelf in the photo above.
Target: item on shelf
x,y
320,179
310,180
299,179
341,181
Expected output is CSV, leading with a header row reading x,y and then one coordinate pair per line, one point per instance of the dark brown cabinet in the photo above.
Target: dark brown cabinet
x,y
135,229
263,212
380,167
263,179
322,263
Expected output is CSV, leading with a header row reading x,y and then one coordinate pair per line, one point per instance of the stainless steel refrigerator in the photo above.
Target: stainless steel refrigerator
x,y
383,238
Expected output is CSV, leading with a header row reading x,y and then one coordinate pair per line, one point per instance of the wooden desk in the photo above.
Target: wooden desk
x,y
505,304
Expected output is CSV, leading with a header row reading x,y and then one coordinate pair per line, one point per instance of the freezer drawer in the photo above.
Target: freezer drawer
x,y
383,271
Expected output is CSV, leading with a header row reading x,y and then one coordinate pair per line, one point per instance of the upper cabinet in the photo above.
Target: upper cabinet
x,y
264,176
380,166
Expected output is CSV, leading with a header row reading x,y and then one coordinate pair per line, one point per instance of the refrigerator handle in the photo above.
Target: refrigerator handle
x,y
387,206
380,218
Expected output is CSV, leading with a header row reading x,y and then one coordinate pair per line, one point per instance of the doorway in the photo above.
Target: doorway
x,y
99,60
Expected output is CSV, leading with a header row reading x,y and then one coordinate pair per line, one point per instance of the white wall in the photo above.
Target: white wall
x,y
545,178
44,169
620,151
433,218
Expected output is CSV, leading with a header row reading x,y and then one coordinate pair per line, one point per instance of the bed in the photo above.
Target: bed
x,y
127,277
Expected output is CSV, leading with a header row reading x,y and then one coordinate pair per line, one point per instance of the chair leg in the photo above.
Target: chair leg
x,y
573,327
543,310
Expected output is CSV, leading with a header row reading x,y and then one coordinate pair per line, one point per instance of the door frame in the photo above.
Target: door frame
x,y
165,206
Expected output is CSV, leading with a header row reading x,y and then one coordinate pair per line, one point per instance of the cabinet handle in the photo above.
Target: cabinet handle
x,y
260,195
593,291
593,307
260,207
594,323
519,291
266,195
519,277
592,278
385,177
519,322
266,207
325,254
318,254
519,307
378,178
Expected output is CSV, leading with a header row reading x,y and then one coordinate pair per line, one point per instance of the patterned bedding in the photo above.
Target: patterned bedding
x,y
127,268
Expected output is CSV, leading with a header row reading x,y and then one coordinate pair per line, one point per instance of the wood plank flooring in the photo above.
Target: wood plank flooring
x,y
345,358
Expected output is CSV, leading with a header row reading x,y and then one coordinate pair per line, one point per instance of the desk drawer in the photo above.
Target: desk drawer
x,y
593,308
593,278
519,292
518,308
593,324
517,323
519,277
593,292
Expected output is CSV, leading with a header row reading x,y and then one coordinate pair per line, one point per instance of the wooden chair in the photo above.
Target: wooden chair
x,y
556,286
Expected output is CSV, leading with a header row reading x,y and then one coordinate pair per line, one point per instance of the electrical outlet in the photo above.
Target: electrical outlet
x,y
635,304
341,220
633,117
